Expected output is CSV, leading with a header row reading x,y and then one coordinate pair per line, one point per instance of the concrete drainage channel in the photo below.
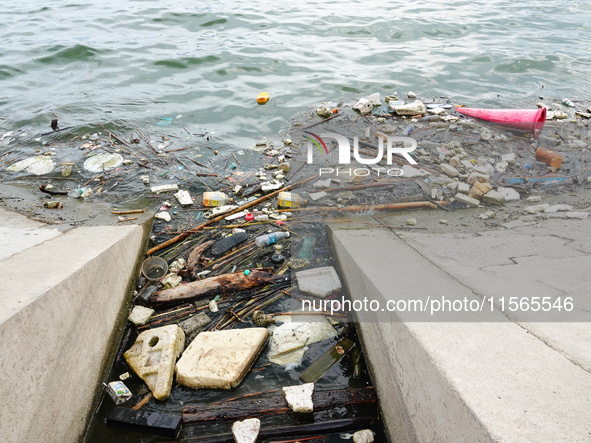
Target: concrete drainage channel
x,y
209,362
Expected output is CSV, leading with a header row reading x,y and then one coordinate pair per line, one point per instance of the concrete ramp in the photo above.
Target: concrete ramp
x,y
62,297
480,378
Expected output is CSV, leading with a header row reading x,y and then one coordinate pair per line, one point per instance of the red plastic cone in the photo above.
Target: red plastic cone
x,y
525,119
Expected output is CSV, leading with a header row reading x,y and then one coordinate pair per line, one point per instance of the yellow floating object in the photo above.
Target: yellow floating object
x,y
263,97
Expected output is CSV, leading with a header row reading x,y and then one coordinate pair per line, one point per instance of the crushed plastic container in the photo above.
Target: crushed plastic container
x,y
270,239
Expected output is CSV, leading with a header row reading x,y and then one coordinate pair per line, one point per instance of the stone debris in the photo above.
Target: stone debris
x,y
220,359
153,356
449,170
139,315
314,196
534,209
509,194
494,198
411,222
363,436
463,198
558,208
299,398
319,282
246,431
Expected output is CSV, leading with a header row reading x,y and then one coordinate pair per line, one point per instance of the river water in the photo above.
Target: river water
x,y
203,63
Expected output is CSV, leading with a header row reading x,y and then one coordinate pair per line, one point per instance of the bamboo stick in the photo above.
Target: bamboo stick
x,y
383,207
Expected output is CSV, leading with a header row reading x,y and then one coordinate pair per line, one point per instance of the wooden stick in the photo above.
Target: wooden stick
x,y
131,211
384,207
221,217
277,405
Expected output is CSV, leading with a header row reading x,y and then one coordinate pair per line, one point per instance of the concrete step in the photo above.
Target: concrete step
x,y
62,298
480,378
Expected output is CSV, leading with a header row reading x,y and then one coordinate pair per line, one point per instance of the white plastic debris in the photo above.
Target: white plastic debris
x,y
139,315
414,108
299,398
290,341
39,165
319,282
246,431
184,198
153,355
103,162
163,216
219,211
164,188
364,106
363,436
171,280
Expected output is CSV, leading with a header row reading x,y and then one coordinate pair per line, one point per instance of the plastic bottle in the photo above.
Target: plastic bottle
x,y
270,239
289,200
215,198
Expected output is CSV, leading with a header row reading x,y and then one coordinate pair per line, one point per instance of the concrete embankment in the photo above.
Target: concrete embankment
x,y
64,294
484,380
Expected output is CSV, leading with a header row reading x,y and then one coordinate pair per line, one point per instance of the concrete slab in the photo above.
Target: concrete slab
x,y
18,233
484,380
62,300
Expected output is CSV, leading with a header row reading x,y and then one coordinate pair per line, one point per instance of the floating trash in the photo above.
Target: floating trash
x,y
38,165
102,162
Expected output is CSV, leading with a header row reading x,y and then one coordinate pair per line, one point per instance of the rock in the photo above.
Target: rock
x,y
414,108
467,164
494,198
246,431
411,222
487,169
509,158
449,170
577,215
322,184
510,194
479,189
501,166
299,398
363,436
486,215
536,208
317,195
409,172
444,222
558,208
153,355
463,188
462,198
319,282
139,315
220,359
533,199
411,94
452,186
477,177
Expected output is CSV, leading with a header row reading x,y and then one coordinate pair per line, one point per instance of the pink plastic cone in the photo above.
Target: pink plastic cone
x,y
524,119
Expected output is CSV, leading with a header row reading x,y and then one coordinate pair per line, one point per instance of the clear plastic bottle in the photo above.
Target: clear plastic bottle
x,y
270,239
215,198
289,200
